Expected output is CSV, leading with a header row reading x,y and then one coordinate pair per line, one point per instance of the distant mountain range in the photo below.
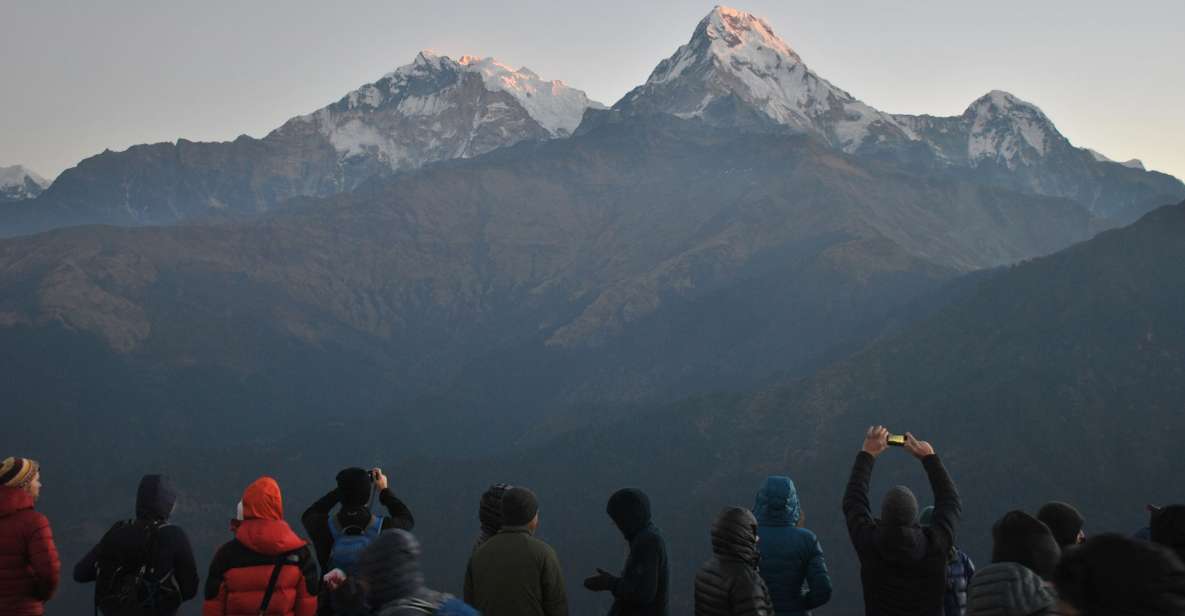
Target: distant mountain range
x,y
733,72
432,109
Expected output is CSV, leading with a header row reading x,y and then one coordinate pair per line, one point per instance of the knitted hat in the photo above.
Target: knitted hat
x,y
1064,521
1113,575
900,507
18,472
354,486
489,512
519,507
1020,538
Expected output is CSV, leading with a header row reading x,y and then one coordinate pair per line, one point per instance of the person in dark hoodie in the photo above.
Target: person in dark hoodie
x,y
728,584
790,554
1112,575
389,570
340,538
1065,522
1168,529
902,565
642,588
489,512
959,572
266,563
149,544
1018,582
29,565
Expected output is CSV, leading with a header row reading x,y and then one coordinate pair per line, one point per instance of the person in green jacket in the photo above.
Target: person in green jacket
x,y
513,573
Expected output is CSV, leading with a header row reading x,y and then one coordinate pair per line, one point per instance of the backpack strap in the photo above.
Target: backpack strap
x,y
281,560
375,527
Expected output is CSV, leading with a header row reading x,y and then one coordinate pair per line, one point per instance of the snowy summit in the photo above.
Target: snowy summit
x,y
18,183
734,55
437,108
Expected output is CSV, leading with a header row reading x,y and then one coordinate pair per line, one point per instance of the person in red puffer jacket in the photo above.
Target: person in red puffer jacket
x,y
29,565
242,569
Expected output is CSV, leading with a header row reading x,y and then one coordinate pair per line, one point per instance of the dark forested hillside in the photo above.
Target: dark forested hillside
x,y
1060,378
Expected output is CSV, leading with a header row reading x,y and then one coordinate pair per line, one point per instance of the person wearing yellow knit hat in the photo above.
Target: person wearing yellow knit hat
x,y
29,565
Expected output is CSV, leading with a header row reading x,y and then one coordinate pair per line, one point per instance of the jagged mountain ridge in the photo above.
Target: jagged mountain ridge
x,y
433,109
736,71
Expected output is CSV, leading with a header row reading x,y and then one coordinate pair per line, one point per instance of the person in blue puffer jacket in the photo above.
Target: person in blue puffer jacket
x,y
792,563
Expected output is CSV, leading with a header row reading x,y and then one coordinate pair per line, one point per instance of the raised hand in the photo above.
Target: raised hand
x,y
380,480
876,440
920,449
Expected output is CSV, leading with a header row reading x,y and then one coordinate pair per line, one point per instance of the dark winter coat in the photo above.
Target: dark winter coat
x,y
959,572
29,565
729,585
790,556
241,569
127,543
644,583
515,574
1009,589
315,519
390,572
902,568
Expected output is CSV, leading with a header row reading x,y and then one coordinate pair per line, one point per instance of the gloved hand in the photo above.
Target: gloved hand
x,y
602,581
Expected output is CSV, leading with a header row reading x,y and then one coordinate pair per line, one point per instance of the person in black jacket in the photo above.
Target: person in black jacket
x,y
1112,575
902,564
729,585
148,540
642,588
353,490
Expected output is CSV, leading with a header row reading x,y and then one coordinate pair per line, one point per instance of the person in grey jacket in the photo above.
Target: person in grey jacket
x,y
1010,589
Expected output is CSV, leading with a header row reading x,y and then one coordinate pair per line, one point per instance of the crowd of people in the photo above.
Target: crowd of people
x,y
361,559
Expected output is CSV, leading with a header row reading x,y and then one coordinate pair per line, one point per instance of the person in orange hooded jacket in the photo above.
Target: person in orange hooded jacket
x,y
242,569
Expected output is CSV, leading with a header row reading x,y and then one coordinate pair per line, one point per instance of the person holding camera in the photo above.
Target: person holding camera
x,y
902,564
339,538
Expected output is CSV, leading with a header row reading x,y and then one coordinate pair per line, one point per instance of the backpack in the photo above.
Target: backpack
x,y
134,587
349,542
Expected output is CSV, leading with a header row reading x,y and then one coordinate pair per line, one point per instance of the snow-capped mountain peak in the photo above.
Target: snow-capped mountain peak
x,y
18,183
553,104
736,33
736,55
1008,129
438,108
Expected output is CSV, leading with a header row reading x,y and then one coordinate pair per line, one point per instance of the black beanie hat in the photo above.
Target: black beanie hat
x,y
353,484
519,507
1113,575
1168,528
390,569
900,507
1020,538
1063,521
489,512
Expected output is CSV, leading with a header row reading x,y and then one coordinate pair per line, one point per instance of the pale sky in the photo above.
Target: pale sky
x,y
79,77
